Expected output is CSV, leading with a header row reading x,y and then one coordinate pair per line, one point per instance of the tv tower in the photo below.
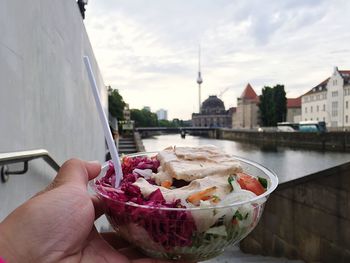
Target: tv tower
x,y
199,79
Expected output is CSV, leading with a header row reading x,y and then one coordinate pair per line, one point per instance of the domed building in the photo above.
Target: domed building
x,y
212,114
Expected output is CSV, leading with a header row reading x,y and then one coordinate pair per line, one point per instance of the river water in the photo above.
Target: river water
x,y
286,162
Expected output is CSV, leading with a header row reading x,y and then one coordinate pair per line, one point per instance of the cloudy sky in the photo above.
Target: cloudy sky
x,y
148,50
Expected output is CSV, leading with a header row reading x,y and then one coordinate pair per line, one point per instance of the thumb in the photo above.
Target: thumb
x,y
76,172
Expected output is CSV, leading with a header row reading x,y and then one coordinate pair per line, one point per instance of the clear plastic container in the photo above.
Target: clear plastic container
x,y
189,234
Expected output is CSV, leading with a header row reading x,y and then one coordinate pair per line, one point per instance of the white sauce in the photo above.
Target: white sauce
x,y
203,167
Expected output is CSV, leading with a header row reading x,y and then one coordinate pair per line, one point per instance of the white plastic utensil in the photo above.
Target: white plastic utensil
x,y
108,135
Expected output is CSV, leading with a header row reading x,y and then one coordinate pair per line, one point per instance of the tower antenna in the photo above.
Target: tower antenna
x,y
199,78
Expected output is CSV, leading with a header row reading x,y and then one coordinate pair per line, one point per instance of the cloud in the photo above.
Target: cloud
x,y
151,47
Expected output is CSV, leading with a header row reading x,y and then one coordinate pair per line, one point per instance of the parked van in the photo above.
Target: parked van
x,y
312,126
287,126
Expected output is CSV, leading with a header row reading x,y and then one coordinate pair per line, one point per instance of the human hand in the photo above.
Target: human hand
x,y
57,224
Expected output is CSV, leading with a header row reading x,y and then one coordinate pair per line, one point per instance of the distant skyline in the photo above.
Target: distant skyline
x,y
148,50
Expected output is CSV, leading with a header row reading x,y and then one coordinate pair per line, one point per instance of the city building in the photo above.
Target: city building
x,y
329,101
147,108
126,112
162,114
294,110
212,114
247,112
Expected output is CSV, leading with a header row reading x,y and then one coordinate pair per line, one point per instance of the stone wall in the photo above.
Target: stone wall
x,y
324,141
138,141
307,219
45,95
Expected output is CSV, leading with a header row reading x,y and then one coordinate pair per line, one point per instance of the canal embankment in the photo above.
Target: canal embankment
x,y
307,218
332,141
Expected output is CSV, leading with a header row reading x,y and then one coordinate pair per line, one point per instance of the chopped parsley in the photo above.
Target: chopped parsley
x,y
246,216
238,215
263,182
230,179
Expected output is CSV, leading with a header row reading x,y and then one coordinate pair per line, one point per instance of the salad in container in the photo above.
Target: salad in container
x,y
185,203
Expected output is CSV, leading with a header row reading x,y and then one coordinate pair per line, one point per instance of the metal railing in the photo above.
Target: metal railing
x,y
25,157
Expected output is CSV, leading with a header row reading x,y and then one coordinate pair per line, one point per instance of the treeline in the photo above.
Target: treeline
x,y
142,118
272,109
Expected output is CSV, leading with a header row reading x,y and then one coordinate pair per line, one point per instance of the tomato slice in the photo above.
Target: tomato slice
x,y
250,183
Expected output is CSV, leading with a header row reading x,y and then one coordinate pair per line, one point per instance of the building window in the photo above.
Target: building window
x,y
324,107
316,119
317,108
346,105
334,94
318,97
334,108
346,118
305,109
324,119
311,109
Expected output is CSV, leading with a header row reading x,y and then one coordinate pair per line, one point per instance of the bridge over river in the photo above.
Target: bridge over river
x,y
175,129
149,131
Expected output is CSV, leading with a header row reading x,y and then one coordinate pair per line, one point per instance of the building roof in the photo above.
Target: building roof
x,y
213,102
232,110
346,76
323,85
294,102
249,93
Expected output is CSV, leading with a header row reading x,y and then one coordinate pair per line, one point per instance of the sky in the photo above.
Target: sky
x,y
148,49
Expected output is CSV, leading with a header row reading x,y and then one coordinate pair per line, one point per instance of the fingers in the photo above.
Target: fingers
x,y
100,249
124,248
114,240
76,172
131,253
99,206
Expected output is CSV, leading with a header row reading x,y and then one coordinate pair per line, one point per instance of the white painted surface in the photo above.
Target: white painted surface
x,y
331,105
45,98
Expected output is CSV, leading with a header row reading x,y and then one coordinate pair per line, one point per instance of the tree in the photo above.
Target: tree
x,y
165,123
272,105
144,118
116,103
266,107
280,103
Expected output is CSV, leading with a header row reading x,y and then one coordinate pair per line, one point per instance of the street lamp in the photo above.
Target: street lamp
x,y
81,5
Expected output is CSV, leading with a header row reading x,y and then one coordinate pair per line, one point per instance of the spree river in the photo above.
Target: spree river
x,y
286,162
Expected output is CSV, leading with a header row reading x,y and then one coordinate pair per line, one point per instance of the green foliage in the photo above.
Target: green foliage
x,y
165,123
280,103
116,103
273,105
267,107
144,118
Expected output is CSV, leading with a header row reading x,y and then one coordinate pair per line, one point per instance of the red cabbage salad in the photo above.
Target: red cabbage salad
x,y
158,183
